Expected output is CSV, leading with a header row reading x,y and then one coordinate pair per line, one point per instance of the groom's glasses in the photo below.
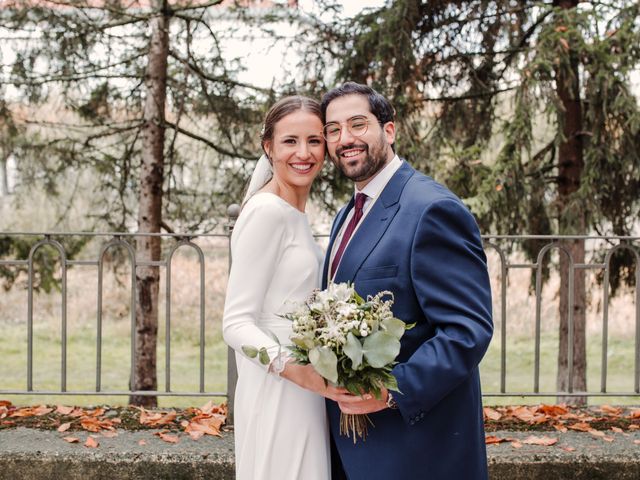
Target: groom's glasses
x,y
357,126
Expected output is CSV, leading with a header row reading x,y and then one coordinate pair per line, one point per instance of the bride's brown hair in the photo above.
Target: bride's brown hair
x,y
284,107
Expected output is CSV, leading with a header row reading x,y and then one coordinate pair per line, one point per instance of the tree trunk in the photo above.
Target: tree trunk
x,y
572,221
150,209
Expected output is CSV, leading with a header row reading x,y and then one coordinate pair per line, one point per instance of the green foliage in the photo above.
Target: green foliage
x,y
480,89
45,258
88,63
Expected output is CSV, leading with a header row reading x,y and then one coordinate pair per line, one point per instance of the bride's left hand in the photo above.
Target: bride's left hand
x,y
306,377
366,403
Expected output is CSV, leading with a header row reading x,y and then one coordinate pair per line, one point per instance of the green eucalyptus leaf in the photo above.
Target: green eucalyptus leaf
x,y
394,327
353,350
392,384
264,356
325,363
381,348
359,300
250,351
305,343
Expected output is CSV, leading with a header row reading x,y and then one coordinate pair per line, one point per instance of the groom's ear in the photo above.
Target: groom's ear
x,y
389,129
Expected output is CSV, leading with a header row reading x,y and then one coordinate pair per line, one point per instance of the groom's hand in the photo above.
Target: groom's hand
x,y
366,403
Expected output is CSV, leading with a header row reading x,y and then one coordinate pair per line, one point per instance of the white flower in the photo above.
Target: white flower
x,y
346,310
341,291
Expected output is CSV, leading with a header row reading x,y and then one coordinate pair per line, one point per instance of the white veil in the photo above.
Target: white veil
x,y
262,173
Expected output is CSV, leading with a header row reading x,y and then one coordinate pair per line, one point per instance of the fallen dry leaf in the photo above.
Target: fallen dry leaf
x,y
96,412
596,433
77,412
64,427
32,411
580,427
544,440
142,442
560,428
167,438
71,439
195,434
490,439
109,433
617,429
91,442
516,444
62,410
568,449
156,419
491,414
616,411
634,413
523,413
93,424
5,403
553,410
607,438
207,407
637,442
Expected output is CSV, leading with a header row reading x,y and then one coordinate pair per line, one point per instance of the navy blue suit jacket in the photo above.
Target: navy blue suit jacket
x,y
420,242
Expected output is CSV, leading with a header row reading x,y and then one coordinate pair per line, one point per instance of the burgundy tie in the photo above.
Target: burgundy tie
x,y
357,215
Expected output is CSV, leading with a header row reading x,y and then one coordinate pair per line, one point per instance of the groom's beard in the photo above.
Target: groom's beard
x,y
375,159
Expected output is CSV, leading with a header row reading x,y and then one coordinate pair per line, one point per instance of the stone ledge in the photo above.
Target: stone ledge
x,y
37,454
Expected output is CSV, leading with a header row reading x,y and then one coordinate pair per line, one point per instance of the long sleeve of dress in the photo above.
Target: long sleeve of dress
x,y
257,243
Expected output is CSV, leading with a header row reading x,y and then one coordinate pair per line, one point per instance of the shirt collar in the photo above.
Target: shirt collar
x,y
380,180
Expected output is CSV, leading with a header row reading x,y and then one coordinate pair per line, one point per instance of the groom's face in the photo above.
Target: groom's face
x,y
358,156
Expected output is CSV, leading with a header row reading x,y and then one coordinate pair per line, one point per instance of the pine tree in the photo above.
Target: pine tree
x,y
487,72
147,104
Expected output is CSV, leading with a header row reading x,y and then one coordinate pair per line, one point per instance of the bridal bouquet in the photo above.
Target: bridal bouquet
x,y
350,341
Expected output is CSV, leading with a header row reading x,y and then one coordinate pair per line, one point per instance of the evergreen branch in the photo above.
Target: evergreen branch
x,y
210,3
109,66
62,79
119,126
103,7
208,142
212,78
468,96
525,37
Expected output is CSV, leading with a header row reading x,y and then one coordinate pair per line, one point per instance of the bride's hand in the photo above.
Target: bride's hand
x,y
306,377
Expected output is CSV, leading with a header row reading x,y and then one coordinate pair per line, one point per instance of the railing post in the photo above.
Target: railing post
x,y
233,211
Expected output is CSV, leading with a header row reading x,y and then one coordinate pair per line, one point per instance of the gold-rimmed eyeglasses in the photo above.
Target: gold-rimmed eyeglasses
x,y
356,126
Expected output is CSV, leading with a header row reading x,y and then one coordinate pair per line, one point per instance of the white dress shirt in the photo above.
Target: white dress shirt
x,y
372,190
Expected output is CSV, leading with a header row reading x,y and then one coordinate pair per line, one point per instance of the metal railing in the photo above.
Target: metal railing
x,y
503,246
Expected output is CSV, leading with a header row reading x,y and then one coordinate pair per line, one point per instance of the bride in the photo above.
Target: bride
x,y
281,429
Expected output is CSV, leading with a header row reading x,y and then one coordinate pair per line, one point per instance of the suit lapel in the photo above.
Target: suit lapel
x,y
337,224
373,226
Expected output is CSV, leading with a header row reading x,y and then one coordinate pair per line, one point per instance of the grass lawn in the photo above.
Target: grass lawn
x,y
81,369
520,369
81,364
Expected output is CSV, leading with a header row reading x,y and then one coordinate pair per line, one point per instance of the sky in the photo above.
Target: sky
x,y
264,64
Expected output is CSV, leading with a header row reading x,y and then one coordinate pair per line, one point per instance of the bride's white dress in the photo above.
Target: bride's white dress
x,y
281,430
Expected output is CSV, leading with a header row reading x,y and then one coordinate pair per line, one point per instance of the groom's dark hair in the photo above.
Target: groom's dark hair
x,y
379,105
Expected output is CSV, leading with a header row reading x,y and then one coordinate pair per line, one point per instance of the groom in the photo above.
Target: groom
x,y
406,233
